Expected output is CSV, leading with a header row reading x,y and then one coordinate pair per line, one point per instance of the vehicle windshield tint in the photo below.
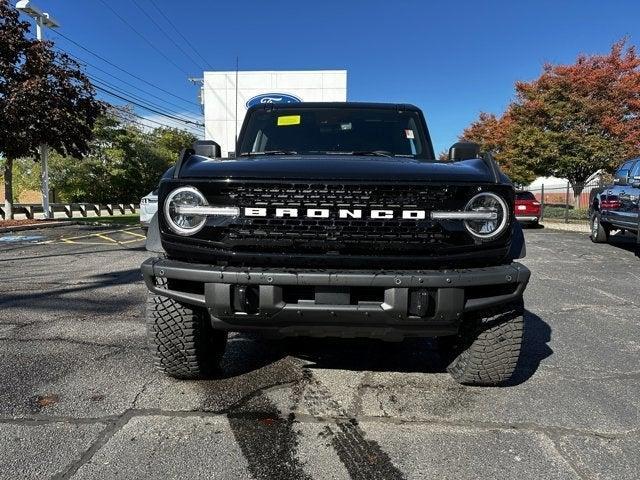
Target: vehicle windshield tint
x,y
354,131
525,196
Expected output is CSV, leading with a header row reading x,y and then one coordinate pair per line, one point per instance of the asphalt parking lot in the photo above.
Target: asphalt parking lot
x,y
79,397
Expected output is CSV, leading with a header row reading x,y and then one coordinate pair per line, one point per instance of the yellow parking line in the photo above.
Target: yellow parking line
x,y
134,233
104,237
102,233
132,241
90,243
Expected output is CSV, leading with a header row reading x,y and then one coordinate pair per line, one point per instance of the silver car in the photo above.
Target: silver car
x,y
148,208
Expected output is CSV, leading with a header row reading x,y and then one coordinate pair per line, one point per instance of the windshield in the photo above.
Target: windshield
x,y
347,131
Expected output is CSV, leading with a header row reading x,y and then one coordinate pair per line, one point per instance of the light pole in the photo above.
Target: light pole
x,y
43,19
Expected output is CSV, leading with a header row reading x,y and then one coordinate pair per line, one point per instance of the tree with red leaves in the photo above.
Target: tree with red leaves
x,y
492,133
45,98
572,120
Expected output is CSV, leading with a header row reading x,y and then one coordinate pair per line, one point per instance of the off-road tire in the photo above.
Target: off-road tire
x,y
599,232
486,350
181,339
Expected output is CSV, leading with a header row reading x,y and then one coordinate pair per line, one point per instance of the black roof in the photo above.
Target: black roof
x,y
390,106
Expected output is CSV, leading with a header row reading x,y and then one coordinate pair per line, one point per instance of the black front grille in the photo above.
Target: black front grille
x,y
338,235
329,195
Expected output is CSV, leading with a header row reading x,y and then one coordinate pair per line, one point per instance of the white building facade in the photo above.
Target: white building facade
x,y
226,103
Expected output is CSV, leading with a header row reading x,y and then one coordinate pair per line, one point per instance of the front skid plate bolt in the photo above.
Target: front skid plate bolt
x,y
161,273
509,278
448,280
269,279
398,281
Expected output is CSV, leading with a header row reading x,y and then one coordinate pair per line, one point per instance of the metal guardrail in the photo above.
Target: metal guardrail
x,y
29,210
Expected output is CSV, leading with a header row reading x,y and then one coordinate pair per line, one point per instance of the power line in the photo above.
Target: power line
x,y
116,95
149,42
124,117
124,111
122,69
195,62
134,97
125,82
177,30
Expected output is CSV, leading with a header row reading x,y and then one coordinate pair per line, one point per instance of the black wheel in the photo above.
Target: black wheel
x,y
599,230
181,339
486,350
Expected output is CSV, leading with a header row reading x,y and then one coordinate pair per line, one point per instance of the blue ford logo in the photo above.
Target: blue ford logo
x,y
272,98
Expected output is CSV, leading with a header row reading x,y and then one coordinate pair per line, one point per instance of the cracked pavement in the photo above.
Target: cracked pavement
x,y
79,397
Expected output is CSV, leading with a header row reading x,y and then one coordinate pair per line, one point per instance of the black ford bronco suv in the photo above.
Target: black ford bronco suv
x,y
336,220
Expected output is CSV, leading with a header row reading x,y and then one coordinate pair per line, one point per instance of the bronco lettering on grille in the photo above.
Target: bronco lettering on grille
x,y
381,214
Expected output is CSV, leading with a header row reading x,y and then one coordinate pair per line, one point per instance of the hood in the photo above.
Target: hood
x,y
337,167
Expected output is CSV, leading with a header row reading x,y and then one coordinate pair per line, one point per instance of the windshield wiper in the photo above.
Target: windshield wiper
x,y
272,152
377,153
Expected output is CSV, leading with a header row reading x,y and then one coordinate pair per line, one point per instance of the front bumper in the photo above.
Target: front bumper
x,y
527,218
338,303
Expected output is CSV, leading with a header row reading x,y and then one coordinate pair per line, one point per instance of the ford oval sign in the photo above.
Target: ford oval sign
x,y
272,98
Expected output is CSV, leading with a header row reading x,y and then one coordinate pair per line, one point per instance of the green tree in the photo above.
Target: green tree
x,y
124,163
45,98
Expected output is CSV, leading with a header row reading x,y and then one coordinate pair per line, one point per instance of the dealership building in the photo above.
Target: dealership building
x,y
227,95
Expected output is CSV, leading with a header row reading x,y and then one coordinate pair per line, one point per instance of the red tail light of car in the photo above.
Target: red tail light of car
x,y
609,204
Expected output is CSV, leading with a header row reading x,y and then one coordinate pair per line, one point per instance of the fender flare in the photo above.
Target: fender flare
x,y
518,247
154,244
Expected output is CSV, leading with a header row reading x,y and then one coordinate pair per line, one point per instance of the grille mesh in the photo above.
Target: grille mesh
x,y
322,195
350,235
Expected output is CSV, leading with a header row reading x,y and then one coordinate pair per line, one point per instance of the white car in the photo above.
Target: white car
x,y
148,208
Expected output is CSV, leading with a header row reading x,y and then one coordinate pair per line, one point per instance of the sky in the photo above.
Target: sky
x,y
453,59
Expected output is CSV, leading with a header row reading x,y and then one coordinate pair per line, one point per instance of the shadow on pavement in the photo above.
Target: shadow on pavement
x,y
535,348
247,353
625,241
59,299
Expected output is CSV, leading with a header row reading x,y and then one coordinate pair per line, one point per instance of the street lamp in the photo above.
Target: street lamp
x,y
43,19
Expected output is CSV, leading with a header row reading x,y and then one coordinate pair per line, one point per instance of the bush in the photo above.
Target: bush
x,y
559,213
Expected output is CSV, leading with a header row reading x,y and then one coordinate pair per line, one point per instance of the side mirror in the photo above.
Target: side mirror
x,y
206,148
621,178
464,151
635,181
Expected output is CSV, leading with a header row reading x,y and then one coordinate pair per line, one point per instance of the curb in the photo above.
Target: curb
x,y
566,227
36,226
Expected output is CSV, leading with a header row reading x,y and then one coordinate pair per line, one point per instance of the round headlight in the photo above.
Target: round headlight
x,y
493,205
175,210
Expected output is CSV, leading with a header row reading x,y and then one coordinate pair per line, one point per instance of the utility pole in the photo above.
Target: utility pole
x,y
43,19
199,81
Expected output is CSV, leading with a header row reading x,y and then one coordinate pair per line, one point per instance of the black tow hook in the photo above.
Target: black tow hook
x,y
246,299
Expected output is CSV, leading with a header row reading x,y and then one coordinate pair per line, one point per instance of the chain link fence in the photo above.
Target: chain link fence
x,y
568,203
